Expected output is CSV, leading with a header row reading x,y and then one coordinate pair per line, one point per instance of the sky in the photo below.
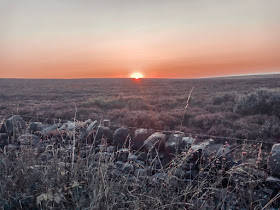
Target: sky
x,y
158,38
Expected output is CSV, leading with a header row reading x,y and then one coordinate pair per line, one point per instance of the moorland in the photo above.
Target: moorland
x,y
246,107
56,152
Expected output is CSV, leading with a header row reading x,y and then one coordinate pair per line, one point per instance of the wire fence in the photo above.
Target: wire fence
x,y
195,135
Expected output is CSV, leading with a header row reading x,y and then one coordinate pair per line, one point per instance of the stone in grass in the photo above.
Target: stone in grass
x,y
141,173
122,154
103,132
51,130
177,142
273,183
209,152
132,157
121,137
142,156
183,174
274,160
119,164
156,140
103,156
91,126
35,127
127,168
140,163
15,125
173,145
158,178
111,149
140,135
28,139
3,139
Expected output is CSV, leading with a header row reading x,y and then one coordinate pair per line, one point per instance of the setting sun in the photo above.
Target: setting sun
x,y
136,75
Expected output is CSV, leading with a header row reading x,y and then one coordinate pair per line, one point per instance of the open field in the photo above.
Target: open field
x,y
217,106
47,163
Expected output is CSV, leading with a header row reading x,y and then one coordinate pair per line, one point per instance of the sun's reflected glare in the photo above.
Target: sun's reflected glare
x,y
136,75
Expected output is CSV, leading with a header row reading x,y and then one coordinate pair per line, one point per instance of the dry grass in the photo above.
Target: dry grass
x,y
57,179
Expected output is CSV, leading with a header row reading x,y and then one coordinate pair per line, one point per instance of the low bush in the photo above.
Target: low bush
x,y
262,101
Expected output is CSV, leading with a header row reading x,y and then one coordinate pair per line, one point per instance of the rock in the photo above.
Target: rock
x,y
211,151
267,190
173,145
274,160
155,163
115,174
165,161
34,127
12,147
111,149
272,183
178,172
158,178
86,133
140,135
84,153
103,133
142,173
102,147
121,135
223,151
156,140
3,139
15,125
176,143
88,122
132,180
91,126
188,141
28,139
128,168
72,126
119,164
183,174
142,156
140,163
190,174
51,130
83,134
103,156
122,154
132,157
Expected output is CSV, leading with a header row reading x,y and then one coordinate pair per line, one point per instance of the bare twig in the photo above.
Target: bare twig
x,y
74,137
186,108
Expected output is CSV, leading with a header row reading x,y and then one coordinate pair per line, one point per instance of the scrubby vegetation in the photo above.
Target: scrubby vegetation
x,y
262,101
51,164
242,107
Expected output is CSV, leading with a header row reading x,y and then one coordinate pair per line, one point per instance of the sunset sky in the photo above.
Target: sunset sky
x,y
158,38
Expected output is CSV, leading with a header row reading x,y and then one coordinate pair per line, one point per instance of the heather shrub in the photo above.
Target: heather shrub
x,y
258,127
102,103
220,98
262,101
206,121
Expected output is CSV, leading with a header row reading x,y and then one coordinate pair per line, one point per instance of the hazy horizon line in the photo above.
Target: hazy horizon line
x,y
209,77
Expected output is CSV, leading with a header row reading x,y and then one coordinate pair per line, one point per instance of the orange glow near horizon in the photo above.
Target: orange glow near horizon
x,y
166,39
